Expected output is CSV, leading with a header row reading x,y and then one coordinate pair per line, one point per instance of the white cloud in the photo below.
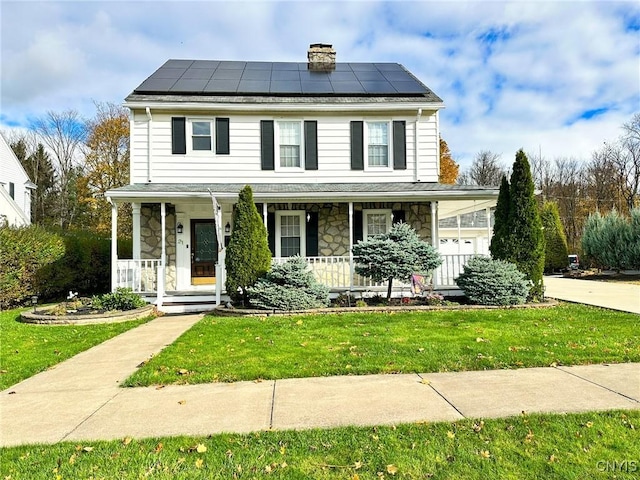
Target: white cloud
x,y
512,74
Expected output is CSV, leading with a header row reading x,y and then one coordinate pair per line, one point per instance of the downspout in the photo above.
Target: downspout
x,y
416,172
149,120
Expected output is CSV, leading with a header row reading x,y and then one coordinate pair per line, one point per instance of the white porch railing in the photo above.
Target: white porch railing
x,y
140,275
335,272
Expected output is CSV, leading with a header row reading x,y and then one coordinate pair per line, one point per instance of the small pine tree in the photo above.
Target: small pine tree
x,y
289,286
556,250
612,241
526,248
248,256
486,281
397,254
500,239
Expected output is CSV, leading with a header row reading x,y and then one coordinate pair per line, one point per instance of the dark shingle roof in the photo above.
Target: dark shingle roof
x,y
304,189
216,78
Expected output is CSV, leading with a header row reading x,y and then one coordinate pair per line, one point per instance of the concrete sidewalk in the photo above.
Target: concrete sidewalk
x,y
616,296
80,400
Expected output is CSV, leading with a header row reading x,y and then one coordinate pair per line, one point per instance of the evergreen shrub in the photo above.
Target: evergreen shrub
x,y
24,252
288,286
121,299
493,282
612,241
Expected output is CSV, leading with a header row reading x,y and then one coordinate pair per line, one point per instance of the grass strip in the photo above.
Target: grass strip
x,y
594,445
229,349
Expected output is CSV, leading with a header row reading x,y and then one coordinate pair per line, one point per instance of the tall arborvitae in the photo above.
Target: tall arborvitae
x,y
526,245
556,251
248,256
500,239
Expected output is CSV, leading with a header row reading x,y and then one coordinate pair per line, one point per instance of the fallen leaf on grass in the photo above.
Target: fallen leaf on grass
x,y
183,371
392,469
159,448
199,463
485,453
450,434
127,441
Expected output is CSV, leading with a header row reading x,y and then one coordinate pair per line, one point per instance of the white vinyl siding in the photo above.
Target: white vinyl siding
x,y
290,233
242,165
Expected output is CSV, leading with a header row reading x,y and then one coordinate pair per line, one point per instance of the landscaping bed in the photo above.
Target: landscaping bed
x,y
44,316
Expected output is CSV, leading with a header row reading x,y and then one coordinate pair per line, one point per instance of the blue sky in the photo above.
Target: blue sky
x,y
557,77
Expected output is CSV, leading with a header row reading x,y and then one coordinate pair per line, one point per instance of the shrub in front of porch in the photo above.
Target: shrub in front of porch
x,y
248,256
397,254
288,286
493,282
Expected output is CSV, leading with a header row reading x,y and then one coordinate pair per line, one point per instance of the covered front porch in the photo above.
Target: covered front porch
x,y
180,233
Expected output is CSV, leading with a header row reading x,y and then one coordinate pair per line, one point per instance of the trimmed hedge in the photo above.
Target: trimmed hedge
x,y
25,252
493,282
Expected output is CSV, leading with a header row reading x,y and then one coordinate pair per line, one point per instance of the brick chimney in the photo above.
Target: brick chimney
x,y
321,57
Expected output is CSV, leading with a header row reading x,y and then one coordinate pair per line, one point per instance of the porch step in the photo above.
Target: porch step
x,y
187,307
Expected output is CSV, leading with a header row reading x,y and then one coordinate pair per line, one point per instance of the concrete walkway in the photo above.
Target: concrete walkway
x,y
80,400
616,296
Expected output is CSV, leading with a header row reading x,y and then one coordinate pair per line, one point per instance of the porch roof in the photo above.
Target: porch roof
x,y
453,198
278,192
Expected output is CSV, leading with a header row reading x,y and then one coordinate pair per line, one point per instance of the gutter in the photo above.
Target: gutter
x,y
149,120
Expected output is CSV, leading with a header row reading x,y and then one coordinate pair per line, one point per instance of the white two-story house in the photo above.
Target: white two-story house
x,y
334,152
15,188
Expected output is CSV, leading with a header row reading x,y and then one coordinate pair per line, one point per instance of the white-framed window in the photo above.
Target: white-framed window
x,y
376,222
201,135
289,150
377,139
290,233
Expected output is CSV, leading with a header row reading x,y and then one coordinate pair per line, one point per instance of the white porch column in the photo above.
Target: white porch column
x,y
163,254
489,233
458,224
135,207
351,266
435,240
264,215
114,246
221,252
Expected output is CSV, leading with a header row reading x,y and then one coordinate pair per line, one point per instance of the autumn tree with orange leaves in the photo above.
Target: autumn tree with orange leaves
x,y
448,167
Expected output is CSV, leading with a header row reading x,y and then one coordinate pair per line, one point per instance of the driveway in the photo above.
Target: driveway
x,y
616,296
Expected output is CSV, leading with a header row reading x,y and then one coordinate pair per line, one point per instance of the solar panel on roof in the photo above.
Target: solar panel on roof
x,y
282,78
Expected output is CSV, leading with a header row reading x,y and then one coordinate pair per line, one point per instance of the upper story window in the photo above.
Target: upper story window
x,y
290,143
202,132
376,222
377,144
201,135
12,190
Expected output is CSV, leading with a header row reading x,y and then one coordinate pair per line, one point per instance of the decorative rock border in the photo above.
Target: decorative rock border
x,y
235,312
85,319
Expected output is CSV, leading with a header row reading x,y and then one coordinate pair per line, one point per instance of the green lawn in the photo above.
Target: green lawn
x,y
26,349
223,349
575,446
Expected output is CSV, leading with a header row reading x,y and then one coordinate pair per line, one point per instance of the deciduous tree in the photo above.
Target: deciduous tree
x,y
448,167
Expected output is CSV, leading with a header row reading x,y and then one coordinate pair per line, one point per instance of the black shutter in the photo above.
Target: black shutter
x,y
399,216
271,232
399,145
312,234
222,136
178,135
266,145
311,145
357,145
358,232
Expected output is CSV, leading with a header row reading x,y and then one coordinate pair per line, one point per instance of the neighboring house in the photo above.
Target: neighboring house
x,y
15,188
334,153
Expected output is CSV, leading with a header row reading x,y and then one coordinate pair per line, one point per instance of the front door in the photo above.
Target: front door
x,y
204,252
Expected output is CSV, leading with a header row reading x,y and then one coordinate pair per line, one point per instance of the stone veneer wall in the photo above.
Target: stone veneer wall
x,y
151,238
333,221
